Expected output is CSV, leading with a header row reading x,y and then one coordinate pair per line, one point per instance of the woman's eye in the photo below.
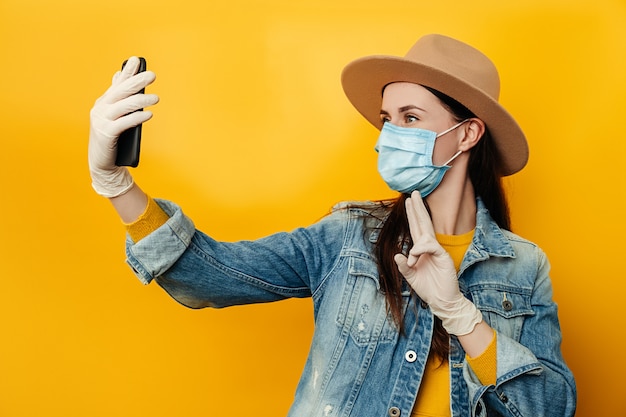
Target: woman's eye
x,y
411,118
384,119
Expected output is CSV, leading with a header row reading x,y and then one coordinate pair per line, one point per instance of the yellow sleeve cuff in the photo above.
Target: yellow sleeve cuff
x,y
151,219
485,364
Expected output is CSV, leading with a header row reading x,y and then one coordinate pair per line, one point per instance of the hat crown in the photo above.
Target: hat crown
x,y
458,60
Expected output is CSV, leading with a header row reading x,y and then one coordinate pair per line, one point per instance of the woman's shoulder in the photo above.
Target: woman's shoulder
x,y
371,213
365,207
521,243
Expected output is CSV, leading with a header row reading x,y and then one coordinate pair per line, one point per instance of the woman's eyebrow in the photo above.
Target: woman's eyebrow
x,y
410,107
403,109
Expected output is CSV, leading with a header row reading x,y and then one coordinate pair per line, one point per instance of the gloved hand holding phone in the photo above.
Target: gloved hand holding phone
x,y
118,109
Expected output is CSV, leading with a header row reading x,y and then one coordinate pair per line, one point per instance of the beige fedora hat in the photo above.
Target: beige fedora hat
x,y
451,67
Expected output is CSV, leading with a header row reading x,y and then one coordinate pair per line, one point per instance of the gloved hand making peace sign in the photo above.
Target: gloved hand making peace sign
x,y
430,271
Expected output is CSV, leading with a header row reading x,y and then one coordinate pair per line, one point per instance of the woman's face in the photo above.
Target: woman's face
x,y
411,105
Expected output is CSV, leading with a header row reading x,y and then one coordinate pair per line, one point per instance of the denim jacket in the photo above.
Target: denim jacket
x,y
359,364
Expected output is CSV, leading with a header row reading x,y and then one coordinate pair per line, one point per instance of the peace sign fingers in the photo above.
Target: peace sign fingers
x,y
420,226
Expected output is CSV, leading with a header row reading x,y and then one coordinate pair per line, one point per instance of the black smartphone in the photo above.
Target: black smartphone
x,y
128,144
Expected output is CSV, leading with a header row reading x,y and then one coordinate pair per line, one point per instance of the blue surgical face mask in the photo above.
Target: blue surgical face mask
x,y
405,158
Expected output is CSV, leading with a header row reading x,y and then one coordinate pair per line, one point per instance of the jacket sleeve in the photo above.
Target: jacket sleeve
x,y
199,271
532,377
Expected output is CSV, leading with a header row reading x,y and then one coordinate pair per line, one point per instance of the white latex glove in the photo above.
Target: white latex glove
x,y
430,271
112,114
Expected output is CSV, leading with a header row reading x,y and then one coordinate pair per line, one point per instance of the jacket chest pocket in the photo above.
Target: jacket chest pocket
x,y
504,307
362,312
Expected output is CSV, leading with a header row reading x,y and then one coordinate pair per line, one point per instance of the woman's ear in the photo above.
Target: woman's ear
x,y
474,129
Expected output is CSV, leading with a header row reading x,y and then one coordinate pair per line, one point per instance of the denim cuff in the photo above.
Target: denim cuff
x,y
513,359
157,252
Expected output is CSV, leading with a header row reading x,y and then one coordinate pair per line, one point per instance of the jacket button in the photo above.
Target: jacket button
x,y
507,305
394,412
410,356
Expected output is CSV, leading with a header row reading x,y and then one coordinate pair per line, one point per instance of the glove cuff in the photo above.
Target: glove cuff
x,y
111,183
461,318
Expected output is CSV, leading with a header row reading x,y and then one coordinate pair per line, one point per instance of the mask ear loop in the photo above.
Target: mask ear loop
x,y
459,152
451,128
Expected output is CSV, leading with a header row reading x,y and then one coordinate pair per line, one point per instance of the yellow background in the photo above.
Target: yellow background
x,y
253,135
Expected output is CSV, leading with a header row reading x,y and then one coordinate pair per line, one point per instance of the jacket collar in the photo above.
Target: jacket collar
x,y
489,240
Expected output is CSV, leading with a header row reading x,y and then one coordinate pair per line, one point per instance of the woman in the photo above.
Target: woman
x,y
426,305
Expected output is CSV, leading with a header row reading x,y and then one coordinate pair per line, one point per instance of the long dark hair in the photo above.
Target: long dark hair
x,y
485,176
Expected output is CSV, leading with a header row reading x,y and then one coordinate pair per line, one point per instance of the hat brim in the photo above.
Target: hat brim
x,y
364,79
